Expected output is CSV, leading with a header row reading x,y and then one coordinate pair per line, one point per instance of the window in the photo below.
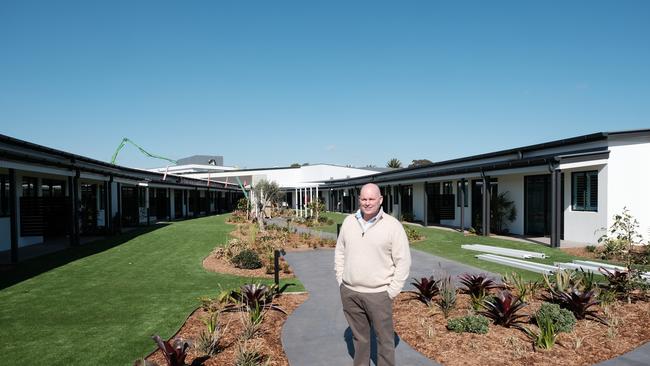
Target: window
x,y
584,191
4,195
464,188
29,186
52,188
447,188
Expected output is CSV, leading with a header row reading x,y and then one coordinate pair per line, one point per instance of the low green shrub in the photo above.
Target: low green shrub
x,y
563,320
469,324
591,248
411,233
247,259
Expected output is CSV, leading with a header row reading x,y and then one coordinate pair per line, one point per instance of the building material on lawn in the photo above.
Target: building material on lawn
x,y
503,251
593,267
518,263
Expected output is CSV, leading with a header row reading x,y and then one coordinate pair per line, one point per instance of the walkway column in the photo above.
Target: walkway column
x,y
461,192
318,202
556,207
487,194
108,194
13,215
311,200
295,201
146,204
74,237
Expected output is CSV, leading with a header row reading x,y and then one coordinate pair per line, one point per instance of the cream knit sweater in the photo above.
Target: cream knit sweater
x,y
375,261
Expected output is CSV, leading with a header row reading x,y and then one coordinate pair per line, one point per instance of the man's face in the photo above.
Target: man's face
x,y
370,200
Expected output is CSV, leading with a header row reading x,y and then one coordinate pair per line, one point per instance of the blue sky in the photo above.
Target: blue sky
x,y
269,83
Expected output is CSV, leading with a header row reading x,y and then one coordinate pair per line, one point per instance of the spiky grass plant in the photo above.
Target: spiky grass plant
x,y
252,322
250,354
546,335
208,340
447,298
525,289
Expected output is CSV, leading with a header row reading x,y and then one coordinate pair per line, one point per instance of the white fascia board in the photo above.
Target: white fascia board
x,y
583,164
35,168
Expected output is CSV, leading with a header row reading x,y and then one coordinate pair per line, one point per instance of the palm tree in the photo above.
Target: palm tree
x,y
394,163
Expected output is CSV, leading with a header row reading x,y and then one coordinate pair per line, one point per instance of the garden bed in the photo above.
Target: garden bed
x,y
424,329
267,341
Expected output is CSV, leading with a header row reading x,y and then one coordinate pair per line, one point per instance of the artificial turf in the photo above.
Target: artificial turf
x,y
99,304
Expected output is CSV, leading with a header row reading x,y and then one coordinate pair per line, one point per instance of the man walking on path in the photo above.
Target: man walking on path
x,y
372,261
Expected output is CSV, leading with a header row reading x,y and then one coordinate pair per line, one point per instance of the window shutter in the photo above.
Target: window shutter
x,y
593,191
579,191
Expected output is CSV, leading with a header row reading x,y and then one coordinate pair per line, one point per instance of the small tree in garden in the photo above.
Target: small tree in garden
x,y
265,194
620,237
317,208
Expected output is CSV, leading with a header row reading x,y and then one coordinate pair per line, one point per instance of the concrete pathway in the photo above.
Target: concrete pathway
x,y
317,334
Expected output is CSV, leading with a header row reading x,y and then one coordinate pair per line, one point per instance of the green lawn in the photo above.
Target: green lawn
x,y
100,303
336,217
447,244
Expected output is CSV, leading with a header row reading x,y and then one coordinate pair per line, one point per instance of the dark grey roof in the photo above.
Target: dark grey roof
x,y
469,163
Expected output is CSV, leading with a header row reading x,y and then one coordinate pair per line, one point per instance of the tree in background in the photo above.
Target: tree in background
x,y
420,162
295,165
394,163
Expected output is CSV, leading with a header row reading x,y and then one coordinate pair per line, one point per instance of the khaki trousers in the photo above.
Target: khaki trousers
x,y
363,310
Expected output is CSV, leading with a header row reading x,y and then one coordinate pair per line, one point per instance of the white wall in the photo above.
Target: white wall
x,y
628,178
418,201
585,226
514,185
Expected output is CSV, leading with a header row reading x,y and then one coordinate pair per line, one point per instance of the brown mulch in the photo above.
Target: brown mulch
x,y
268,339
591,342
214,264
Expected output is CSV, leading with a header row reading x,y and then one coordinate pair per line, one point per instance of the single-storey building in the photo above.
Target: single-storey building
x,y
566,190
47,195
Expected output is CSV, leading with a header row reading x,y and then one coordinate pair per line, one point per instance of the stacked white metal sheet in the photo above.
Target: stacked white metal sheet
x,y
593,267
518,263
503,251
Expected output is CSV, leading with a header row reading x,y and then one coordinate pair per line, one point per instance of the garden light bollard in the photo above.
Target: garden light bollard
x,y
276,265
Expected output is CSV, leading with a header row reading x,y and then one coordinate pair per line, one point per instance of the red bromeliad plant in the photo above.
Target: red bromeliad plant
x,y
477,287
254,296
580,303
174,355
504,309
427,288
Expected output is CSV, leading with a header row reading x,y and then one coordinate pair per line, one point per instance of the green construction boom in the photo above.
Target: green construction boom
x,y
125,140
